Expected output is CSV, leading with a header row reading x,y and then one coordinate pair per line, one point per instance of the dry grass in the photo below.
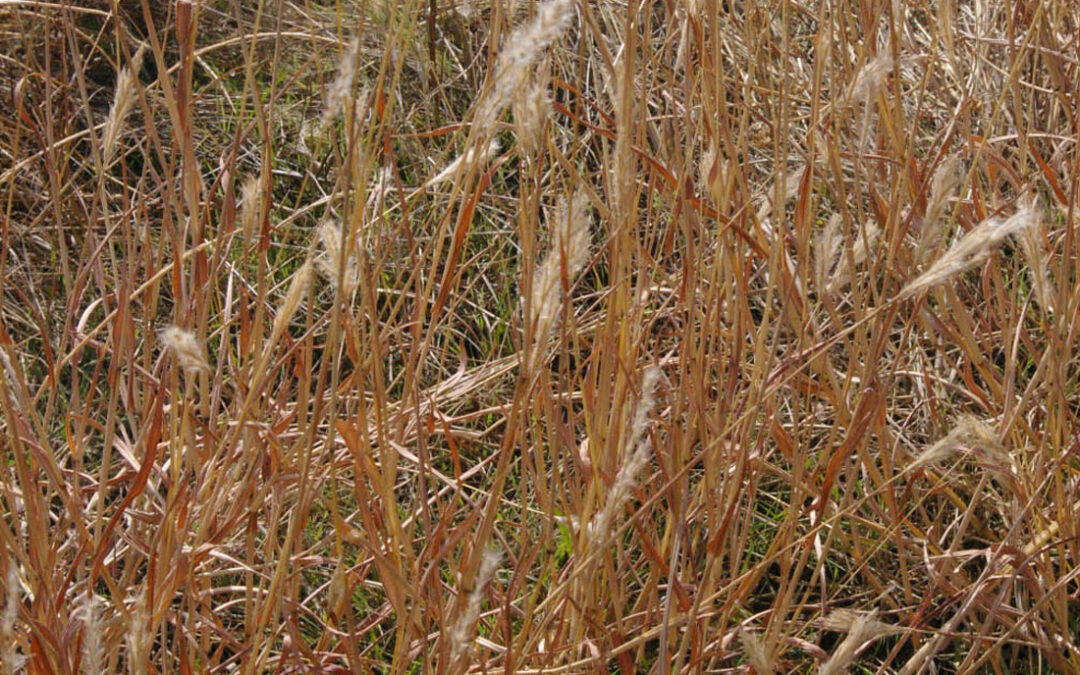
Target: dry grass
x,y
562,337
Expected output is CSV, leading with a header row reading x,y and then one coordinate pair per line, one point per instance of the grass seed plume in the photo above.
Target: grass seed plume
x,y
569,253
187,349
123,100
519,51
971,249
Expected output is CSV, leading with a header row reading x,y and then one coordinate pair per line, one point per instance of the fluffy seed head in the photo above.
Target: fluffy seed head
x,y
332,240
297,289
531,103
568,256
338,594
462,163
971,249
756,653
11,661
944,183
863,628
942,187
122,102
1031,244
461,634
251,206
969,436
519,52
649,381
341,88
636,457
93,656
186,347
789,190
827,249
864,243
869,79
139,637
843,620
12,377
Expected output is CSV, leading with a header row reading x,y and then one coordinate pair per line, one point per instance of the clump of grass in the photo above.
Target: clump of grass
x,y
754,334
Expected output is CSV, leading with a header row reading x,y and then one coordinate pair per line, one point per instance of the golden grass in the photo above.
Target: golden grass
x,y
556,336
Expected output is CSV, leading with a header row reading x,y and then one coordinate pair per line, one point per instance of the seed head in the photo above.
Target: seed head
x,y
185,346
297,289
870,78
971,249
569,254
341,88
122,102
518,53
332,240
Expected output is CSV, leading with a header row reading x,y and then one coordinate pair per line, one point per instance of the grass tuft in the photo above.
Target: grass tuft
x,y
556,336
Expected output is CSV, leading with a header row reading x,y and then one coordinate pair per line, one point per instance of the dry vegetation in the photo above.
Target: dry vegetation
x,y
515,336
